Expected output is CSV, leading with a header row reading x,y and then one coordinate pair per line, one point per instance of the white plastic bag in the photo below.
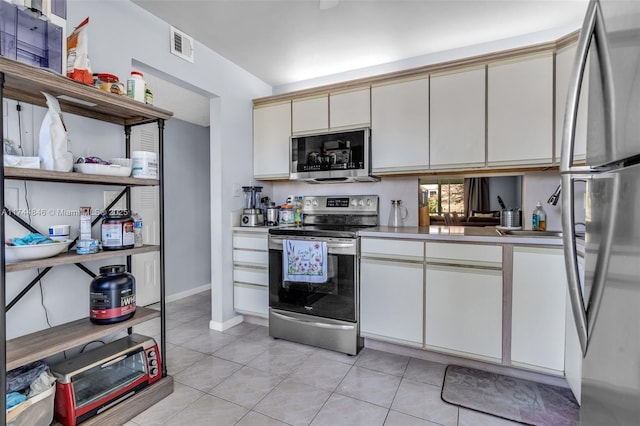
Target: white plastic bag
x,y
53,148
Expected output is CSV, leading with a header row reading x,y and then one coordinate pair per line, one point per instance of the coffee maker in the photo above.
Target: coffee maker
x,y
252,214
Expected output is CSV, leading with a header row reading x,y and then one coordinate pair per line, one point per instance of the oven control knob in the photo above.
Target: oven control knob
x,y
369,202
360,203
354,202
153,362
151,354
153,371
307,203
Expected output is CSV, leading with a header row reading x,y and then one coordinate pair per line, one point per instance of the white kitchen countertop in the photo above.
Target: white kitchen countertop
x,y
475,234
257,229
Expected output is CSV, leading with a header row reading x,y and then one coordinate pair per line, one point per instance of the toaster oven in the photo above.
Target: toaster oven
x,y
99,379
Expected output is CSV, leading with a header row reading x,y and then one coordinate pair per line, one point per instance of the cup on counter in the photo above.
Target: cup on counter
x,y
59,232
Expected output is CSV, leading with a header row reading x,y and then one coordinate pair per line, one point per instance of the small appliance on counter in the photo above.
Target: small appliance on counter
x,y
271,214
252,213
96,380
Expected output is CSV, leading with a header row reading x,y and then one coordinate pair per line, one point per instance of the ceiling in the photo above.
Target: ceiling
x,y
286,41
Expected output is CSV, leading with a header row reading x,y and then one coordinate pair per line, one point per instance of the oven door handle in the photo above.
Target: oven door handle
x,y
276,244
314,323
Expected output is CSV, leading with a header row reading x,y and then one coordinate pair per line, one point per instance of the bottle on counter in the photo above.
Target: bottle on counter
x,y
137,230
297,215
85,223
148,96
539,218
136,86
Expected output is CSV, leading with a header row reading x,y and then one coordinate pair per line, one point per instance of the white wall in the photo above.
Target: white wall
x,y
539,186
390,188
123,36
141,38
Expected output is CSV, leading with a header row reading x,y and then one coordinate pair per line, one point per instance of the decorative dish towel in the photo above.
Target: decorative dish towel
x,y
305,261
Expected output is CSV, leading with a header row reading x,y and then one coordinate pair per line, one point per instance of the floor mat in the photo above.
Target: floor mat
x,y
514,399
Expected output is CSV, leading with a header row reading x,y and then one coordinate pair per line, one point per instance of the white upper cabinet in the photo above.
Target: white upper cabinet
x,y
350,109
458,119
310,115
565,61
520,111
271,133
400,127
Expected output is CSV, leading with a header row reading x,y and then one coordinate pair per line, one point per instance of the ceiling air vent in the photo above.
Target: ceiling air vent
x,y
181,44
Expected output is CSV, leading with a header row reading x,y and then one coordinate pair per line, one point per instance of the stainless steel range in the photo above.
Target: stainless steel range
x,y
314,273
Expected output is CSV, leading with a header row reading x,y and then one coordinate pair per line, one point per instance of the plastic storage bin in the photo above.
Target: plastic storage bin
x,y
26,38
35,411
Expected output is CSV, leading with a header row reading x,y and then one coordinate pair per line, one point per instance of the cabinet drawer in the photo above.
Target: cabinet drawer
x,y
251,300
248,275
251,257
392,249
250,241
471,254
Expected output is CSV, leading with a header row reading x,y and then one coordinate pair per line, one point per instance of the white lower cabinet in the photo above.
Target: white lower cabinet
x,y
392,290
538,309
391,300
463,311
573,350
251,273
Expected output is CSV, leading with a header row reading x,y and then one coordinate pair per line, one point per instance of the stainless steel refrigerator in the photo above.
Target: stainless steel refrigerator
x,y
606,303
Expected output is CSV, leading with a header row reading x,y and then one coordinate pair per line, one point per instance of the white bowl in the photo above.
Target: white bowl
x,y
124,162
102,169
37,251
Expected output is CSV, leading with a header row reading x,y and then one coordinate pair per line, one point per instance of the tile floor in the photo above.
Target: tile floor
x,y
244,377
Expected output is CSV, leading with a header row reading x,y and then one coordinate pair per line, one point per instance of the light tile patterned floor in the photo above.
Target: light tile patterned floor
x,y
244,377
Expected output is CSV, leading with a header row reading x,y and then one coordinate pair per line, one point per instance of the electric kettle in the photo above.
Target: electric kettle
x,y
398,214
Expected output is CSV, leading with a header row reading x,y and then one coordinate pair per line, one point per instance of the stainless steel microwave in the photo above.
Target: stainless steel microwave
x,y
332,157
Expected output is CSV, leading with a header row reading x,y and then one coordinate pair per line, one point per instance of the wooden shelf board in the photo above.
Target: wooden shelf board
x,y
44,343
126,410
24,83
73,177
72,257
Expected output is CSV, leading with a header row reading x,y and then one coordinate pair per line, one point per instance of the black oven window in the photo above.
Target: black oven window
x,y
335,298
98,382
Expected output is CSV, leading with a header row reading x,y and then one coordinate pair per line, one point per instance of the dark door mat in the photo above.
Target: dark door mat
x,y
513,399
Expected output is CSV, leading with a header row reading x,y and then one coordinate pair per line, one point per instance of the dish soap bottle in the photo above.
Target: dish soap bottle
x,y
297,215
539,218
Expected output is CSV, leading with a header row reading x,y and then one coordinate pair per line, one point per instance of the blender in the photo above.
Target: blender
x,y
252,214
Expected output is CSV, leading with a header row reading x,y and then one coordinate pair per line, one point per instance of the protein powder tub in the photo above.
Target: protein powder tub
x,y
118,232
112,295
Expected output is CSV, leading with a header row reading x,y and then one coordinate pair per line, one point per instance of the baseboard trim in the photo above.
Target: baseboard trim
x,y
222,326
187,293
252,319
444,358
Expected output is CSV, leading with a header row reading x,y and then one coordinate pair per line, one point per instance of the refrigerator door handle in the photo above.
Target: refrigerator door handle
x,y
592,27
585,317
571,260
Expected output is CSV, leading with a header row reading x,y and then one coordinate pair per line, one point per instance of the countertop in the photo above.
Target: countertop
x,y
478,234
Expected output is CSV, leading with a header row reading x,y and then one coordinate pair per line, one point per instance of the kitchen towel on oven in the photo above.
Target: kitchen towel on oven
x,y
305,261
